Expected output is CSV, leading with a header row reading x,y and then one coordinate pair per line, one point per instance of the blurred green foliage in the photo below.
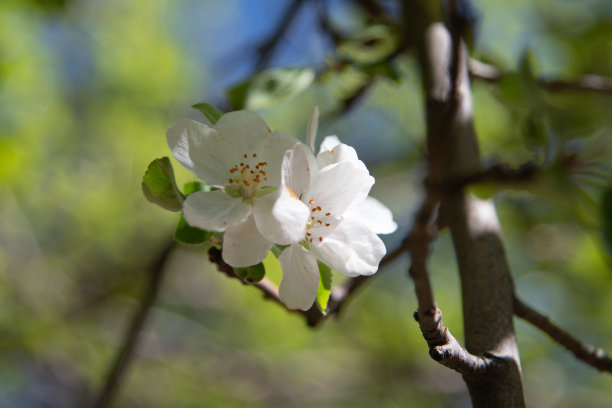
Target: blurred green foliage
x,y
87,91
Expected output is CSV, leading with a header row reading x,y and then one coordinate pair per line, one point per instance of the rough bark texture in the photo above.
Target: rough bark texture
x,y
485,277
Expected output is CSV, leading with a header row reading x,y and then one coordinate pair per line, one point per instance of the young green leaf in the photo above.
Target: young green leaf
x,y
324,286
270,87
186,234
212,114
253,273
194,186
159,186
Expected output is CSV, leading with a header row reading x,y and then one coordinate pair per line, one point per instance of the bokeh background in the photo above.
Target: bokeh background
x,y
87,91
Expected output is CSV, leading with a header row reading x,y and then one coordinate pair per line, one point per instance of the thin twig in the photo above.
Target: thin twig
x,y
121,362
589,82
595,357
338,297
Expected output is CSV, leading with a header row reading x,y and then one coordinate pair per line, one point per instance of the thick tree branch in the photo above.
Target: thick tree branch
x,y
591,83
453,152
443,347
593,356
128,345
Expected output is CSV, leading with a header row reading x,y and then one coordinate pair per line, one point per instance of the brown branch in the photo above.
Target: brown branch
x,y
121,362
593,356
443,347
589,82
337,299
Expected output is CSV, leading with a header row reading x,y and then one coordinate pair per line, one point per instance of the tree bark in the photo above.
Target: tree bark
x,y
486,283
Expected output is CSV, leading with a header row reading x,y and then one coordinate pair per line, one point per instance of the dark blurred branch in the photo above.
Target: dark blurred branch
x,y
119,367
595,357
267,48
594,83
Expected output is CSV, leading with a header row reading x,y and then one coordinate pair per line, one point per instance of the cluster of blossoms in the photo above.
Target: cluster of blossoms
x,y
270,189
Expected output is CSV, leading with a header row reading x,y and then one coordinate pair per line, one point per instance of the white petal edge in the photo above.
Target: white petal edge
x,y
351,249
337,154
329,143
300,283
338,186
246,131
272,152
243,244
374,214
214,210
281,217
201,149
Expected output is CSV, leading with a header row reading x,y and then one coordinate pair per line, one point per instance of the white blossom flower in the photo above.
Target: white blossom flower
x,y
343,221
242,158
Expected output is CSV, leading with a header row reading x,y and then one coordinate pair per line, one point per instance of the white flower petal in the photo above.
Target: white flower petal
x,y
351,249
214,210
338,186
329,143
300,283
272,152
243,244
295,169
246,131
202,150
281,216
374,214
338,153
311,132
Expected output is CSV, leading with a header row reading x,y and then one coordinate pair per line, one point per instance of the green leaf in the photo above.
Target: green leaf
x,y
186,234
194,186
324,286
372,44
606,212
159,186
253,273
270,87
212,114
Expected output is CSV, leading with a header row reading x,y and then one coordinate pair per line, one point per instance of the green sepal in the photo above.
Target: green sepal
x,y
253,273
212,114
325,283
159,185
185,234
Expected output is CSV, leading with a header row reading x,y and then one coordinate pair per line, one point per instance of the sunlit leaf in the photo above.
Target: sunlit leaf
x,y
212,114
195,186
159,186
270,87
372,44
324,286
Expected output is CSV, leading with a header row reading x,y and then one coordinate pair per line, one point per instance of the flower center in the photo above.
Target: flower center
x,y
319,220
247,176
